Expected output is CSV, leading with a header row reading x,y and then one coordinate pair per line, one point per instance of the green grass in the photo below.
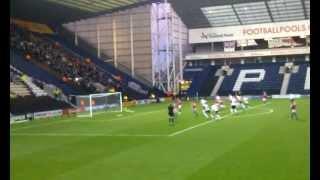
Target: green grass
x,y
256,144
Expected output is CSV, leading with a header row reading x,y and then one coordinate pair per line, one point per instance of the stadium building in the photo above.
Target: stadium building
x,y
84,60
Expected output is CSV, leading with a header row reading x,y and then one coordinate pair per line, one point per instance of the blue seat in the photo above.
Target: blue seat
x,y
297,81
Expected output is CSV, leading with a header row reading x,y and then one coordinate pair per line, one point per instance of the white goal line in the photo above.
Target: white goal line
x,y
87,135
52,122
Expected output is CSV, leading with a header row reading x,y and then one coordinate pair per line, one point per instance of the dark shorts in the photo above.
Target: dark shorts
x,y
207,111
233,106
171,114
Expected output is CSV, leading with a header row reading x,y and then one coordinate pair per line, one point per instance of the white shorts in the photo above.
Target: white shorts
x,y
179,106
264,99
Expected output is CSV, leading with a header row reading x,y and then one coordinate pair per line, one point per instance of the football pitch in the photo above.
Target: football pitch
x,y
260,143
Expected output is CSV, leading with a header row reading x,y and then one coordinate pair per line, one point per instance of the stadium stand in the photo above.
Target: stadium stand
x,y
84,49
31,69
204,81
83,75
299,79
27,97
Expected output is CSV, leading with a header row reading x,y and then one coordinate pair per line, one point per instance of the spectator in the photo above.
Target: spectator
x,y
81,73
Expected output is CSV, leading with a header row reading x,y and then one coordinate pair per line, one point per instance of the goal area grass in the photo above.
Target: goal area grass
x,y
260,143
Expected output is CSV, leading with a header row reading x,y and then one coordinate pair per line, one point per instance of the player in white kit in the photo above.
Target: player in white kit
x,y
219,101
234,104
203,102
240,101
215,111
230,97
206,110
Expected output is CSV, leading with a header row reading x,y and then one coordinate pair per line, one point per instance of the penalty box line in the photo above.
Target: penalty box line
x,y
211,121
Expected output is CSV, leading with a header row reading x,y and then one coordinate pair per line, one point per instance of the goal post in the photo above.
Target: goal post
x,y
92,104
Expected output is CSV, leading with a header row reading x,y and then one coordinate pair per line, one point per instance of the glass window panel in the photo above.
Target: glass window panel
x,y
283,10
220,15
252,12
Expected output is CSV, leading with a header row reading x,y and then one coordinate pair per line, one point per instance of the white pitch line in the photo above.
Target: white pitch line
x,y
70,120
126,135
87,135
207,122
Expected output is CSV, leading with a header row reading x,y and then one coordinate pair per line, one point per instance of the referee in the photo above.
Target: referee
x,y
171,114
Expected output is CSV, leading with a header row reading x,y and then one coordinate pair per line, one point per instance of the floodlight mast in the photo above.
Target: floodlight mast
x,y
167,65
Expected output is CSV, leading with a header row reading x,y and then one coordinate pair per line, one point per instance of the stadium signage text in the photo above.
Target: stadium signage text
x,y
275,29
246,32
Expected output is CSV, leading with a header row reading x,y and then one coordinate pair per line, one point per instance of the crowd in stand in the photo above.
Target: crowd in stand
x,y
81,73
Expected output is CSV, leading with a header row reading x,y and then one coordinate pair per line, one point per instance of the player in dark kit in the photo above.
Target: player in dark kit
x,y
293,107
171,114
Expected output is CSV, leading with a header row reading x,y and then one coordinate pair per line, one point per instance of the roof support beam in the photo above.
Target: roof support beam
x,y
304,9
269,12
237,15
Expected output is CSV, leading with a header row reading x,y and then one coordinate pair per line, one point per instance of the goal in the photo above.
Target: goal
x,y
93,104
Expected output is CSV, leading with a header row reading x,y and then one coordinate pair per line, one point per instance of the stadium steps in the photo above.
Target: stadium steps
x,y
217,86
285,83
19,89
307,82
34,88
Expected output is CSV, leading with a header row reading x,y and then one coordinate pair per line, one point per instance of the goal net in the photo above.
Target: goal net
x,y
93,104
